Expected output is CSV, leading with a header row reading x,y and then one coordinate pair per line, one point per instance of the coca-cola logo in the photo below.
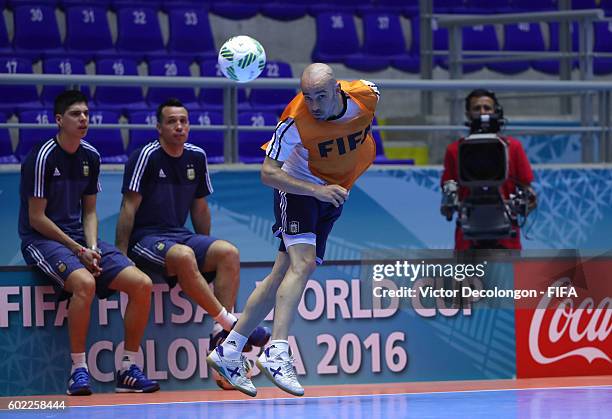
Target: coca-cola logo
x,y
566,323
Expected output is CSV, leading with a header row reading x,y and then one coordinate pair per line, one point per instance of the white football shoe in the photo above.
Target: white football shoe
x,y
280,370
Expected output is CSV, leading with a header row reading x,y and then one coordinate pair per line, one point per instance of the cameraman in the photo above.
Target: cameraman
x,y
483,102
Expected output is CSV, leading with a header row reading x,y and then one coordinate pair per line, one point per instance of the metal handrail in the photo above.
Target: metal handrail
x,y
440,85
268,128
456,58
535,17
231,127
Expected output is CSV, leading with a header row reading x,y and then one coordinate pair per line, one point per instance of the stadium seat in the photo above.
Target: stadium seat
x,y
551,66
383,41
168,5
64,4
190,35
479,38
118,98
440,43
235,9
250,142
65,66
88,33
210,141
14,97
140,34
36,32
410,62
450,6
12,4
489,6
108,142
170,68
534,5
28,137
519,37
212,98
475,38
337,42
6,147
585,4
606,5
5,45
154,4
282,10
338,6
408,8
273,100
603,43
140,137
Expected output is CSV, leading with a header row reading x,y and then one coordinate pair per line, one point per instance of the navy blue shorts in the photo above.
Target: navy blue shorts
x,y
149,253
58,262
303,219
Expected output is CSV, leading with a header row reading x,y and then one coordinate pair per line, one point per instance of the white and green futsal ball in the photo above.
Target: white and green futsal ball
x,y
242,59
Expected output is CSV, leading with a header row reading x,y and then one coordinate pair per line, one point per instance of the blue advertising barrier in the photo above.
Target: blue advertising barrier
x,y
342,334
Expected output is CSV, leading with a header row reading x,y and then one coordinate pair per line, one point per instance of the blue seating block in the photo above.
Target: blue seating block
x,y
28,137
603,43
140,137
6,147
88,33
235,9
519,37
66,66
118,98
383,41
283,10
13,97
273,100
140,34
36,32
210,141
170,68
250,142
108,142
190,35
212,98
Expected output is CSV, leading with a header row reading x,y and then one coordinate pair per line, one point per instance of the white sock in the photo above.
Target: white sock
x,y
78,361
278,347
233,344
127,360
225,319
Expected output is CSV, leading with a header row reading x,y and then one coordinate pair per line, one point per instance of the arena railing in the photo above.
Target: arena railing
x,y
455,23
600,125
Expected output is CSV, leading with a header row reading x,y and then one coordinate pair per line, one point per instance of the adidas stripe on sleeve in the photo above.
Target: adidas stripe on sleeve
x,y
40,168
284,140
136,167
372,86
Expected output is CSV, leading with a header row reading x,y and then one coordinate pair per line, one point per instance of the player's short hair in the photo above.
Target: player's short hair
x,y
172,102
66,99
479,93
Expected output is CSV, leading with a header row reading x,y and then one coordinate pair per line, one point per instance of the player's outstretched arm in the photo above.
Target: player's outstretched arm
x,y
129,205
273,176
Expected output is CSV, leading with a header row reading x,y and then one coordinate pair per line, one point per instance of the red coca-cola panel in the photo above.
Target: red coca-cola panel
x,y
565,330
